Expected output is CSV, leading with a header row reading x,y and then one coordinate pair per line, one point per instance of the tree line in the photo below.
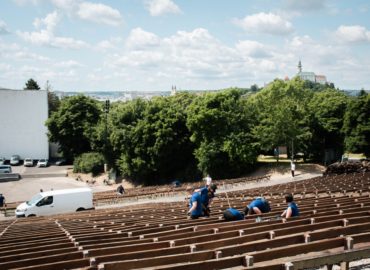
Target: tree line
x,y
220,133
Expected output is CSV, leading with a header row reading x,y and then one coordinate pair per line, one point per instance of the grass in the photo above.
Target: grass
x,y
270,159
356,156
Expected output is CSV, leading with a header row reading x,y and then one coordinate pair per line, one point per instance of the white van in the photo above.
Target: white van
x,y
56,202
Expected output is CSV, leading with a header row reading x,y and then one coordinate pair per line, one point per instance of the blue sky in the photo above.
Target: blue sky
x,y
80,45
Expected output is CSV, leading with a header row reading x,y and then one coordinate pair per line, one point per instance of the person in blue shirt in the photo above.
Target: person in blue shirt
x,y
207,193
232,214
258,206
292,210
195,204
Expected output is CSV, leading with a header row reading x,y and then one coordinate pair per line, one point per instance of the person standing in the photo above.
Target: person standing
x,y
208,180
292,167
292,210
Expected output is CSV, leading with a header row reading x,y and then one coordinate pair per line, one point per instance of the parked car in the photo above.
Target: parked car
x,y
42,163
28,162
2,160
61,162
15,160
5,169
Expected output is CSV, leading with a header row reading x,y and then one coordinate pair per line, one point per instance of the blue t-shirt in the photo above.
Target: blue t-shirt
x,y
204,196
196,198
236,214
260,204
295,210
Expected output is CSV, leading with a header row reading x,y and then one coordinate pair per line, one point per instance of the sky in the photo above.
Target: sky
x,y
152,45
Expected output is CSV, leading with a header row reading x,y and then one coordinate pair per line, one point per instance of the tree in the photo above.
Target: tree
x,y
31,84
221,124
356,126
281,113
53,102
327,110
73,125
152,140
53,99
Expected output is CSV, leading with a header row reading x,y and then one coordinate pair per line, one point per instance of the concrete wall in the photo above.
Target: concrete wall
x,y
22,125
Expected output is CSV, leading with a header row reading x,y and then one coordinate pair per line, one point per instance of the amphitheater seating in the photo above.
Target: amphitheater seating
x,y
334,228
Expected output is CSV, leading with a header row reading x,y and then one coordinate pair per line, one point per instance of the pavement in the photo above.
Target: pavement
x,y
33,179
54,177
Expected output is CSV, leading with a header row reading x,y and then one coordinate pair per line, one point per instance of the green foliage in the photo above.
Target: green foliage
x,y
220,124
89,163
282,115
53,102
327,109
357,125
31,84
73,125
151,139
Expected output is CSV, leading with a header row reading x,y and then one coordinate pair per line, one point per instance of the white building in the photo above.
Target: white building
x,y
22,126
310,76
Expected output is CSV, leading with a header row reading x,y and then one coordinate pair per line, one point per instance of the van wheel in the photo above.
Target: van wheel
x,y
80,209
32,215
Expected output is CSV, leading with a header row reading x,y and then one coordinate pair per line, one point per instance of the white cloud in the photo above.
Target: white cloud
x,y
3,28
267,23
139,38
352,33
66,5
68,64
68,43
46,37
49,22
195,54
253,49
105,45
160,7
25,55
99,13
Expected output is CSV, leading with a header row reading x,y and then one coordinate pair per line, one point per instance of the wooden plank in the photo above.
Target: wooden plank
x,y
41,260
72,264
345,256
35,254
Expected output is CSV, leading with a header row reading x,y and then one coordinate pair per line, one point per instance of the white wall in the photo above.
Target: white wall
x,y
22,123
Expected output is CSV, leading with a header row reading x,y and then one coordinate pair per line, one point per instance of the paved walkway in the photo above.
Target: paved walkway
x,y
24,189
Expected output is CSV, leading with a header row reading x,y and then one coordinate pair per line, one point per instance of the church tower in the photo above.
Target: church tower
x,y
299,67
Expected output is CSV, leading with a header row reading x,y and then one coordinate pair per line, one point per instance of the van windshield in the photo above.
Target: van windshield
x,y
34,199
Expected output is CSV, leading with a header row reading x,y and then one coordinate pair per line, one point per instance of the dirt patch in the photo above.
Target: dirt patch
x,y
277,170
100,180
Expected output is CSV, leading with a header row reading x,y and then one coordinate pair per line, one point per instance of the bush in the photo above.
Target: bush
x,y
89,163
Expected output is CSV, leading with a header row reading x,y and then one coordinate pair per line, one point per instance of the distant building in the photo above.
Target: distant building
x,y
23,130
320,79
173,90
310,76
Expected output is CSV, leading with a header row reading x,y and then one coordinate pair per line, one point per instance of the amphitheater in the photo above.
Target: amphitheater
x,y
333,230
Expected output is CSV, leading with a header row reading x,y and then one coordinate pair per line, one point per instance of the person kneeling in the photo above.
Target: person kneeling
x,y
292,210
232,214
